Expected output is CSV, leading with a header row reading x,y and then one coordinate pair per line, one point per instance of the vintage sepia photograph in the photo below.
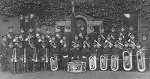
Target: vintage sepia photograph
x,y
74,39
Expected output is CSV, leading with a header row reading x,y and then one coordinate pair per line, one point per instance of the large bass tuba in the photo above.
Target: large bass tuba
x,y
127,60
114,62
54,62
141,62
92,62
104,62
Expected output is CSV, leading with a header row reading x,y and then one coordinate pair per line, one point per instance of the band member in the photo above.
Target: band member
x,y
68,35
10,34
107,47
112,35
95,50
29,45
115,49
75,50
64,55
82,31
19,51
3,55
87,41
93,35
22,37
124,33
81,38
38,39
42,55
54,45
85,53
9,55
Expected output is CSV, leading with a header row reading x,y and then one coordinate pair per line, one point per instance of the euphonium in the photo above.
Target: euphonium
x,y
92,62
104,62
127,60
141,62
114,62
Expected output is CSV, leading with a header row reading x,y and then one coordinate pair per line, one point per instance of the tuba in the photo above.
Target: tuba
x,y
114,62
54,62
92,62
127,60
104,62
141,62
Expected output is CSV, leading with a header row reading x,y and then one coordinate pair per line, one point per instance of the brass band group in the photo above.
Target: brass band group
x,y
31,50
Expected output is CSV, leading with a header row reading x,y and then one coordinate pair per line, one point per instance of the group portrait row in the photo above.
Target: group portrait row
x,y
32,50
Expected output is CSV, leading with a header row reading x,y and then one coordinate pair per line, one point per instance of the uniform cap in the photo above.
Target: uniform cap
x,y
10,27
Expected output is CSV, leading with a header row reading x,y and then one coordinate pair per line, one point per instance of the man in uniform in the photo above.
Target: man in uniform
x,y
64,55
75,50
93,35
38,39
85,53
10,34
87,41
3,55
83,31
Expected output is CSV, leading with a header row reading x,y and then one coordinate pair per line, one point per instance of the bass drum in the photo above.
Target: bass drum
x,y
104,62
127,60
141,61
114,62
92,62
54,62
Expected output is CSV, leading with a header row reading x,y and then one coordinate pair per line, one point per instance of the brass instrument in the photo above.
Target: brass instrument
x,y
46,60
141,60
24,60
35,59
98,44
87,43
14,60
92,62
127,60
104,62
114,62
54,62
109,43
9,36
120,45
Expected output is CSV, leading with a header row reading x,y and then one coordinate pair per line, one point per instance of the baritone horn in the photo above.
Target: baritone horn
x,y
54,62
141,60
104,62
127,60
114,62
92,62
